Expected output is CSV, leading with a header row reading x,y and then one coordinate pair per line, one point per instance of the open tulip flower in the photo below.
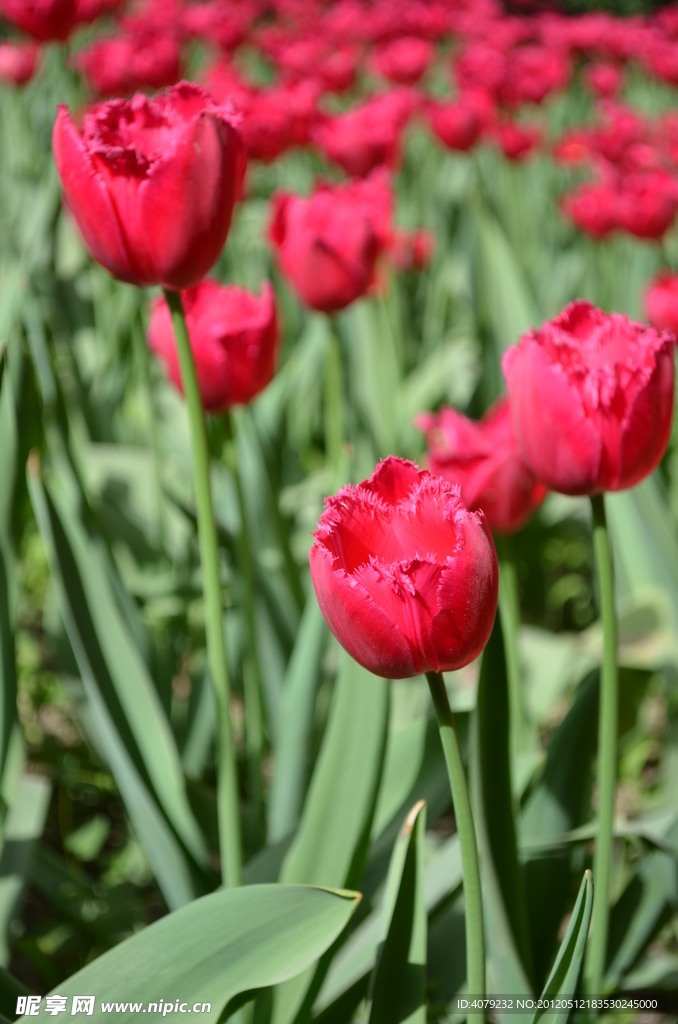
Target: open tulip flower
x,y
152,183
233,335
591,399
405,575
484,460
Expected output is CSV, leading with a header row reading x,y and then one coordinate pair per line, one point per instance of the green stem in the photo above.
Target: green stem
x,y
475,937
145,358
607,751
228,811
334,406
254,733
509,608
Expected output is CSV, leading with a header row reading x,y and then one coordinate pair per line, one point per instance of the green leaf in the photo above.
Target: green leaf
x,y
559,803
330,847
564,977
217,948
23,826
647,902
397,992
8,683
507,932
293,737
132,727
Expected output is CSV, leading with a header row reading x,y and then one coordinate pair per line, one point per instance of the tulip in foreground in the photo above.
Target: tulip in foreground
x,y
591,399
233,336
484,460
407,579
152,183
405,575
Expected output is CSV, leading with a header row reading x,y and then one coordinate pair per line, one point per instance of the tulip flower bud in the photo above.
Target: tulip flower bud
x,y
152,183
234,339
328,244
405,575
484,460
591,399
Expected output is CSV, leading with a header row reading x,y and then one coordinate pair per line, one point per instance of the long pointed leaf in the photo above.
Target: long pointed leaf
x,y
564,977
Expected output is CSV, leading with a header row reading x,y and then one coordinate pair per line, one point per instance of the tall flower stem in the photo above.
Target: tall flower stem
x,y
509,607
475,936
335,426
607,750
227,784
254,730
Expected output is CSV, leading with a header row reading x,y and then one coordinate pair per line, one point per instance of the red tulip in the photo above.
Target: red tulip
x,y
459,125
591,399
484,459
404,60
647,203
152,183
516,141
87,11
661,302
126,63
44,20
214,21
594,208
328,244
366,136
532,74
412,250
233,335
405,575
604,79
18,62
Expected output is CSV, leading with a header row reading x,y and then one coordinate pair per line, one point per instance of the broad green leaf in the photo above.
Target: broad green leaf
x,y
216,949
23,827
397,992
293,738
8,600
133,729
564,977
647,902
510,955
331,843
559,803
374,374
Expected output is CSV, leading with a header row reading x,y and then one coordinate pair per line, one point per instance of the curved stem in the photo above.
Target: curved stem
x,y
228,811
475,935
607,751
335,426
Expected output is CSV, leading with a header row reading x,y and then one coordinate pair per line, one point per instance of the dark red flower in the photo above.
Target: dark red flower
x,y
403,60
591,399
152,183
604,78
661,302
44,20
123,64
234,338
647,203
406,577
89,10
483,458
594,208
459,125
366,136
328,244
517,141
18,62
532,74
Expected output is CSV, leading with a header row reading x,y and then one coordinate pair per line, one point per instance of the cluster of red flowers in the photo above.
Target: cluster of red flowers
x,y
635,166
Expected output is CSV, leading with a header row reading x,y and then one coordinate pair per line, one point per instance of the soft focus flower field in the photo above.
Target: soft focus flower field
x,y
372,218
